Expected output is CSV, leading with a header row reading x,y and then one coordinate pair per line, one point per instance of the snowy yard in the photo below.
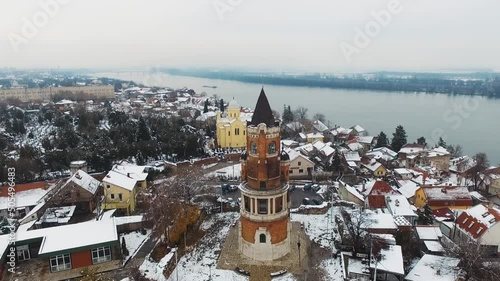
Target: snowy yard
x,y
200,262
134,241
233,171
319,228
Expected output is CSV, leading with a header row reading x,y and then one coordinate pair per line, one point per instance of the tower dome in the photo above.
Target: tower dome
x,y
233,104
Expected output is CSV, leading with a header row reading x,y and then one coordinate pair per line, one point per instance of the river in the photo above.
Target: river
x,y
463,120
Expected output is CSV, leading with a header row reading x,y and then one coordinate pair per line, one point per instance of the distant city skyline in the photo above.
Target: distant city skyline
x,y
317,36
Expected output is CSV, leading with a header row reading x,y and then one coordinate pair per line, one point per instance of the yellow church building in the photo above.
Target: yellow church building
x,y
231,128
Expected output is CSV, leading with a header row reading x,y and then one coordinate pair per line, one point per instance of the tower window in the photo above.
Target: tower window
x,y
237,131
262,206
262,238
279,204
272,147
262,184
253,148
247,203
229,133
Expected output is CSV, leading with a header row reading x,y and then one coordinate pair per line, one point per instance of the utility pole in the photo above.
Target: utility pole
x,y
221,204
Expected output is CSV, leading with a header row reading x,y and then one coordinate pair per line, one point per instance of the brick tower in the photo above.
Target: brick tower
x,y
264,229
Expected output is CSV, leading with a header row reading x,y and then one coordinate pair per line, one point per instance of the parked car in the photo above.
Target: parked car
x,y
306,201
317,201
315,187
307,186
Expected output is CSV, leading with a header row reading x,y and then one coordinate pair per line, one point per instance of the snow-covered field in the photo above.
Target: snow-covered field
x,y
134,240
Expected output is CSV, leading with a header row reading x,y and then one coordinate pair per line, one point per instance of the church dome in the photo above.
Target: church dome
x,y
233,104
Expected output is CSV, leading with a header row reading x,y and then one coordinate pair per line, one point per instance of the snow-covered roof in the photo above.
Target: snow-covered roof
x,y
358,128
60,215
24,198
430,232
365,139
434,246
133,171
314,135
294,154
376,220
408,188
72,236
437,151
120,180
352,156
319,126
372,166
355,146
295,126
128,219
446,192
391,260
434,268
353,191
307,148
403,171
487,216
412,148
84,180
288,143
399,206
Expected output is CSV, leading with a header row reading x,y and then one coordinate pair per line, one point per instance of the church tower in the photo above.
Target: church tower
x,y
264,229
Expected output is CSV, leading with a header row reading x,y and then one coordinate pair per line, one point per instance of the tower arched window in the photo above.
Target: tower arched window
x,y
262,238
272,148
253,148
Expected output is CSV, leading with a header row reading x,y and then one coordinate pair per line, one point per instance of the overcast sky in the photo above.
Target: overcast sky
x,y
428,35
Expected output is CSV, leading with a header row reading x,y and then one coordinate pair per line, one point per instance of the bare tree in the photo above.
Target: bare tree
x,y
170,207
481,164
455,150
320,117
474,260
355,222
300,113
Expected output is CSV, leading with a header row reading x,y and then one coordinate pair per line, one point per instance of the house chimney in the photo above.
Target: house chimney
x,y
128,175
424,177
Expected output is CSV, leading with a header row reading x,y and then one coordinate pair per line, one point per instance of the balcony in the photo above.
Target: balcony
x,y
262,192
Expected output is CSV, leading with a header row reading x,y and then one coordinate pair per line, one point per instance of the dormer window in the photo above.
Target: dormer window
x,y
471,224
486,214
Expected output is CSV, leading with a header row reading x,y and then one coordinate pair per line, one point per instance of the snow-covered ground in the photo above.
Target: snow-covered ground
x,y
200,262
319,228
134,241
229,171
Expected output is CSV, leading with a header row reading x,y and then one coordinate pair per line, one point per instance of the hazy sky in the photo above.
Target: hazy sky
x,y
259,34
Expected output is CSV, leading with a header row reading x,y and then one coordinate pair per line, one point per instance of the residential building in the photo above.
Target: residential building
x,y
45,94
313,137
438,158
410,154
59,253
480,224
377,196
300,166
490,181
121,186
231,128
375,168
25,201
453,197
81,190
349,193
